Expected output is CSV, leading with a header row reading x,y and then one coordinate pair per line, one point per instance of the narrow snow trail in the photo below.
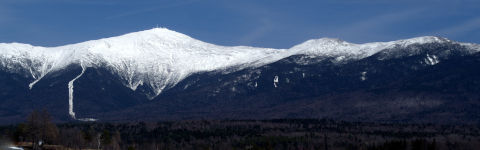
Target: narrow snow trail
x,y
70,94
30,86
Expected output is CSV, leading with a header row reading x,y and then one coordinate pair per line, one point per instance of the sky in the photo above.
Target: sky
x,y
260,23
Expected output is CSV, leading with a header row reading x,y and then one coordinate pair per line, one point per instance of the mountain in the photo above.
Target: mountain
x,y
160,74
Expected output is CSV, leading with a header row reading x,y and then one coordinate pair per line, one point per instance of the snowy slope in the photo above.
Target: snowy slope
x,y
335,47
160,58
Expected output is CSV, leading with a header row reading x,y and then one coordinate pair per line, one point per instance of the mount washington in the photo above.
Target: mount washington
x,y
159,74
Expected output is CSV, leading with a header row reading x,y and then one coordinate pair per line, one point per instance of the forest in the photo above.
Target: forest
x,y
39,132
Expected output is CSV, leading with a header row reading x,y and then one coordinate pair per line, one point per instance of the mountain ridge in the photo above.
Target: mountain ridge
x,y
153,61
161,44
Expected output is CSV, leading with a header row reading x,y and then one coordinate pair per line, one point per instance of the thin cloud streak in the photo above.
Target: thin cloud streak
x,y
369,28
261,17
464,28
257,33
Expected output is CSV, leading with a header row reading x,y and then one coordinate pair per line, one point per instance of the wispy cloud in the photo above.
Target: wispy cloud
x,y
370,28
260,31
261,20
460,29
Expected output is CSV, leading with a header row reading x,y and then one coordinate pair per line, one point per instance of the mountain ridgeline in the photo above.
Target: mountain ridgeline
x,y
160,74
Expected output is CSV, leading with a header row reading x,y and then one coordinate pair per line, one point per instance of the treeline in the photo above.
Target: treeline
x,y
242,134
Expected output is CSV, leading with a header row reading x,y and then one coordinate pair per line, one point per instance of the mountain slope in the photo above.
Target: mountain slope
x,y
158,58
163,71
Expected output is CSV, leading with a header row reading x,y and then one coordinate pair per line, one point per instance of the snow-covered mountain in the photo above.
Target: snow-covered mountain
x,y
159,59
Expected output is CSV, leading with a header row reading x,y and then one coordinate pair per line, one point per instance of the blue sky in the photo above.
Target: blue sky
x,y
274,23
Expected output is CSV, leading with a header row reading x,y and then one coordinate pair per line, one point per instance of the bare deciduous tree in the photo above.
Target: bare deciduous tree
x,y
40,129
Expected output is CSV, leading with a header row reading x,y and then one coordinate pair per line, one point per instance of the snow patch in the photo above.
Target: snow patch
x,y
30,86
87,119
431,60
364,76
14,147
471,46
275,81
